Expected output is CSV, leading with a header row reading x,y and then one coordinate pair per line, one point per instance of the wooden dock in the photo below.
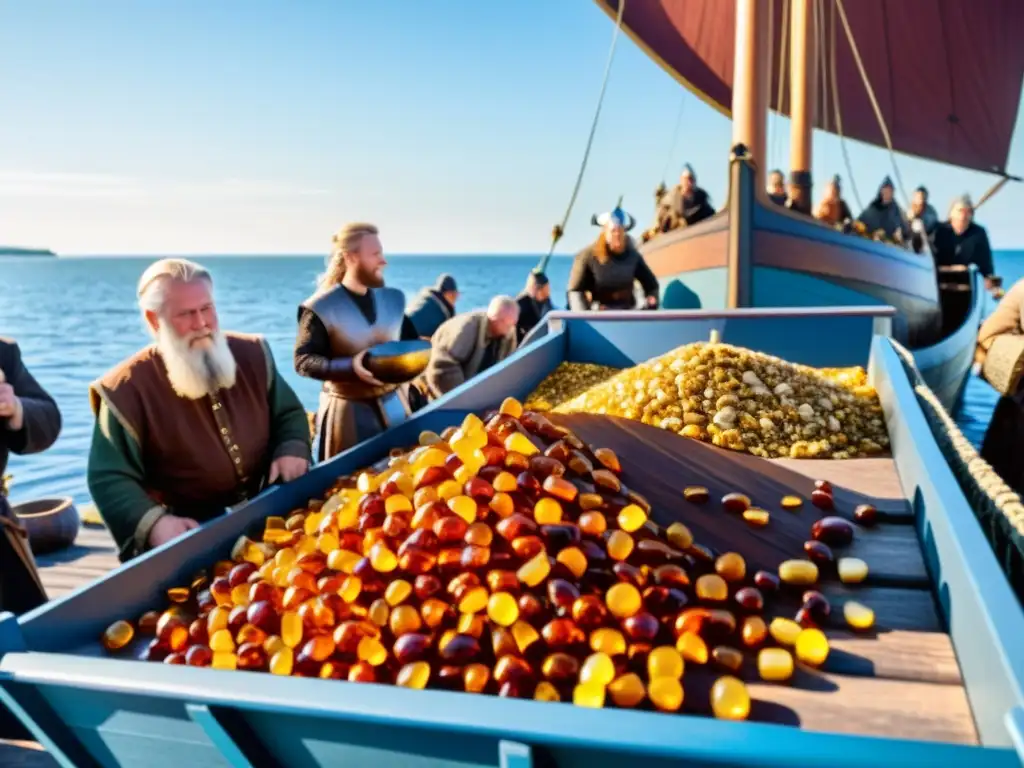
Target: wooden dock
x,y
900,680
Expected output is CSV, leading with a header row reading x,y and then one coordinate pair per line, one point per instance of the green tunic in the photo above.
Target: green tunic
x,y
123,486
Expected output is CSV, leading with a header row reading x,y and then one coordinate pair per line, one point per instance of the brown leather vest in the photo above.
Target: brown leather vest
x,y
350,333
199,456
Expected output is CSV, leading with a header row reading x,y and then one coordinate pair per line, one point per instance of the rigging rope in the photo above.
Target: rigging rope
x,y
675,137
559,229
871,96
839,115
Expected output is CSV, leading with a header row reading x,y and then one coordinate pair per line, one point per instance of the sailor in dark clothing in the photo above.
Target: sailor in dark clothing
x,y
884,216
960,241
832,209
534,302
29,418
603,273
685,204
434,305
350,312
776,188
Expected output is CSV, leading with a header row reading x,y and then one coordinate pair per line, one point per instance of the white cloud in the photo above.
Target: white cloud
x,y
47,184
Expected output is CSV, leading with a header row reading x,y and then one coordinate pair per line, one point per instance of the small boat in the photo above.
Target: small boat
x,y
754,253
938,681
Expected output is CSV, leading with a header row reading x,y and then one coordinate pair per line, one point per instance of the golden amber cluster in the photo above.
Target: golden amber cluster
x,y
567,381
739,399
504,557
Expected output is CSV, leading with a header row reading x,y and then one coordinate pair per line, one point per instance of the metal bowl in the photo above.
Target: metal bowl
x,y
396,362
52,524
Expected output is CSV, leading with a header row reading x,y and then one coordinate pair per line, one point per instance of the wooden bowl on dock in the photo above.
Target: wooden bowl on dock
x,y
52,524
396,362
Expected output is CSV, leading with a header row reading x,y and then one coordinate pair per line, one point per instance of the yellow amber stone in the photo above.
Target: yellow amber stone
x,y
731,566
775,664
397,592
277,536
608,640
666,693
221,641
812,647
790,502
471,624
475,678
286,557
449,489
502,505
852,570
525,635
403,619
414,675
350,589
328,542
631,518
504,482
547,511
588,695
627,690
712,587
178,594
664,661
623,600
312,523
573,559
217,619
465,473
240,594
730,699
367,482
545,691
383,559
379,612
397,503
534,570
291,629
785,631
511,407
348,516
679,536
282,661
857,615
119,634
756,517
464,507
597,669
472,423
224,660
502,609
273,644
620,544
343,560
474,601
372,651
801,573
427,437
754,631
520,443
692,647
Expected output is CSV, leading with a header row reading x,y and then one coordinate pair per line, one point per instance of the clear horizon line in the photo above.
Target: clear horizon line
x,y
222,254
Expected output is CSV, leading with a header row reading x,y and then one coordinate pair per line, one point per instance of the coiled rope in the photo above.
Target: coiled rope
x,y
559,229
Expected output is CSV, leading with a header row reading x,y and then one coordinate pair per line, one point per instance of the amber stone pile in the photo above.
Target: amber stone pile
x,y
567,381
504,558
739,399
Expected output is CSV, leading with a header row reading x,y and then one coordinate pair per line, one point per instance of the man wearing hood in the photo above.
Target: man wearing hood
x,y
884,215
603,273
433,306
534,302
685,204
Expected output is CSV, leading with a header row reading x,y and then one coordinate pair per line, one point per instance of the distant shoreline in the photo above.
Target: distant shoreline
x,y
33,252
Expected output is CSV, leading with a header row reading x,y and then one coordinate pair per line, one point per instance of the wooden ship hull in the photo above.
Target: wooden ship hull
x,y
938,682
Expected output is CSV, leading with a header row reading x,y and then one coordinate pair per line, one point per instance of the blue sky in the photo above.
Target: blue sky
x,y
259,126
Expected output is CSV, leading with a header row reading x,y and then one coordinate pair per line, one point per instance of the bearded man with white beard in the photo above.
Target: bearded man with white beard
x,y
194,423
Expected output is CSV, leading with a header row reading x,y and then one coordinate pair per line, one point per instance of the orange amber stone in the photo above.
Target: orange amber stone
x,y
692,647
560,488
619,545
712,587
592,524
730,699
731,566
118,635
696,494
608,459
627,691
754,631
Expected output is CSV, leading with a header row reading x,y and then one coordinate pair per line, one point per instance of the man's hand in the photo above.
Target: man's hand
x,y
287,468
170,527
362,373
652,302
10,407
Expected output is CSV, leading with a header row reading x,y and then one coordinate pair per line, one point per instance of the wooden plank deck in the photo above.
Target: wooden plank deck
x,y
902,679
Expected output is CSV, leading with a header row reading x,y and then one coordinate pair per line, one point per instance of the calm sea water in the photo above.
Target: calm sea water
x,y
74,318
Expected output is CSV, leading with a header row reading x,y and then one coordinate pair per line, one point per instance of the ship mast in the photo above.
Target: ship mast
x,y
750,85
803,78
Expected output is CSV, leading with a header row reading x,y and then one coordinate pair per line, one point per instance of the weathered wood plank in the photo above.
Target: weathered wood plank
x,y
894,655
904,609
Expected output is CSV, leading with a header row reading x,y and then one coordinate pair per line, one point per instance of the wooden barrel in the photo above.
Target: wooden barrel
x,y
52,524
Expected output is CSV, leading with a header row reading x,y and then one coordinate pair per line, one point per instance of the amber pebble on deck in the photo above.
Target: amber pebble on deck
x,y
414,675
819,553
631,518
475,678
665,661
224,660
573,559
858,616
592,523
178,594
812,647
608,459
730,699
535,570
619,545
666,693
791,502
696,494
560,667
502,609
785,631
767,582
692,647
754,631
547,511
731,566
749,598
712,587
735,502
834,531
588,695
607,640
560,488
118,635
641,627
623,600
852,570
560,633
775,664
822,499
798,572
727,657
866,515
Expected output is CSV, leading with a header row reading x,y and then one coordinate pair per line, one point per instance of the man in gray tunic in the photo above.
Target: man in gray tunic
x,y
471,343
350,312
434,305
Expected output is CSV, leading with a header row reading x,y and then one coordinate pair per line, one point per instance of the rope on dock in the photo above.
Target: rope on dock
x,y
998,507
